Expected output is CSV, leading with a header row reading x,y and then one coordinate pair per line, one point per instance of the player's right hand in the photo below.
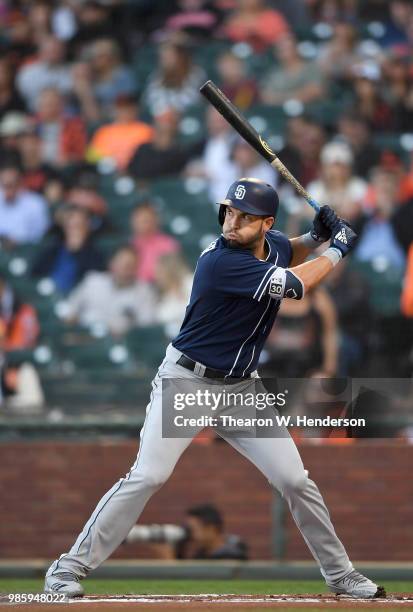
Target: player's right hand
x,y
323,224
343,237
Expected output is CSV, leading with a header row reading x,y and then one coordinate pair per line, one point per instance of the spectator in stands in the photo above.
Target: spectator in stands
x,y
10,99
410,167
18,43
80,190
402,222
38,175
177,80
68,260
305,340
113,299
63,137
163,156
23,214
19,330
12,126
120,139
401,13
18,321
101,80
357,134
407,293
301,153
369,102
255,23
234,82
392,163
398,88
294,78
337,58
148,241
83,195
93,23
216,154
351,293
39,16
409,29
378,238
337,185
332,11
379,247
195,17
173,280
48,71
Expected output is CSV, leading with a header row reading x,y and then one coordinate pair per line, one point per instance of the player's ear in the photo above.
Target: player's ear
x,y
268,223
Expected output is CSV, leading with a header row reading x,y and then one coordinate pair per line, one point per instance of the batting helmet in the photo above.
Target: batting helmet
x,y
251,196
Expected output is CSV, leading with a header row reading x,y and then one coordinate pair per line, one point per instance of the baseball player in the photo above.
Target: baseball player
x,y
238,286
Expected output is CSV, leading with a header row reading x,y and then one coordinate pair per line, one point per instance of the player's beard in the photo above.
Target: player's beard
x,y
251,245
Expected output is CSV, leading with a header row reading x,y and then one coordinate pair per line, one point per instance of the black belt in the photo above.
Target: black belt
x,y
192,365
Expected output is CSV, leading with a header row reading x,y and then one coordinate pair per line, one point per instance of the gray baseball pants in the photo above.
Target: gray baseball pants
x,y
277,458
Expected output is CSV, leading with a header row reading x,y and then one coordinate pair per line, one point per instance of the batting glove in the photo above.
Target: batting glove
x,y
343,237
323,224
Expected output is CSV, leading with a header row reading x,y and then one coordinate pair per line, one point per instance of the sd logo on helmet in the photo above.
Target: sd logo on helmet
x,y
251,196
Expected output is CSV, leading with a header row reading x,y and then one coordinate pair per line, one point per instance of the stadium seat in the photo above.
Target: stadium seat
x,y
95,353
95,392
177,196
42,357
273,119
192,124
147,344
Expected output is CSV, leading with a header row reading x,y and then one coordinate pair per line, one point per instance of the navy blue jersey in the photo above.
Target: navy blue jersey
x,y
230,312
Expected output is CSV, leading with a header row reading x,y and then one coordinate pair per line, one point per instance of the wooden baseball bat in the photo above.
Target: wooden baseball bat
x,y
230,112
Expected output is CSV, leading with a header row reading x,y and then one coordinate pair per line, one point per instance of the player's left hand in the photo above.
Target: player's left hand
x,y
344,237
323,224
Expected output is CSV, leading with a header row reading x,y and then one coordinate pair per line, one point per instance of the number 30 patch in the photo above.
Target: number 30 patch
x,y
276,288
277,284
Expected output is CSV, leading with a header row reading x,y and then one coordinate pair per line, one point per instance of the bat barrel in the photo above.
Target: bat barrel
x,y
230,112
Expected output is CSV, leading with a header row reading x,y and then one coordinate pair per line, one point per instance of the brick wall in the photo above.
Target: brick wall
x,y
48,490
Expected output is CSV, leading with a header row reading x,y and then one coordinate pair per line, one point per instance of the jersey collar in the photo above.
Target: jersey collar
x,y
269,250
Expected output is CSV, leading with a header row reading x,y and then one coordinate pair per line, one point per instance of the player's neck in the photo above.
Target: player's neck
x,y
261,251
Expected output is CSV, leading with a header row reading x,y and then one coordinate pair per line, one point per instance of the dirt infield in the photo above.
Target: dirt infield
x,y
241,603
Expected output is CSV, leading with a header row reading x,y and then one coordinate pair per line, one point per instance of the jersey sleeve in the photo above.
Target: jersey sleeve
x,y
239,273
283,246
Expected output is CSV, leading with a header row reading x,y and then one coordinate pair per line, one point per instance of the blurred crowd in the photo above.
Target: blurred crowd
x,y
87,82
